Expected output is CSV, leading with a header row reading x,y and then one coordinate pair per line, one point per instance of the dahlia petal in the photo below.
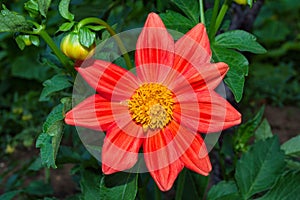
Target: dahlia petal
x,y
154,51
162,159
94,113
104,76
215,113
193,47
120,150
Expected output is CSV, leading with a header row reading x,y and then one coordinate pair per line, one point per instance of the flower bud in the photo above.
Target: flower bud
x,y
72,48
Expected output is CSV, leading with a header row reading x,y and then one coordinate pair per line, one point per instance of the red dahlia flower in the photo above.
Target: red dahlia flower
x,y
162,109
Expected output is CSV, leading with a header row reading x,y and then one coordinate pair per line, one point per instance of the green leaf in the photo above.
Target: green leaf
x,y
12,22
86,37
49,140
90,185
32,7
286,188
263,131
292,146
223,190
10,195
35,40
63,9
95,28
195,185
66,26
55,84
119,186
190,8
44,6
39,188
181,24
258,169
240,40
20,42
246,131
238,68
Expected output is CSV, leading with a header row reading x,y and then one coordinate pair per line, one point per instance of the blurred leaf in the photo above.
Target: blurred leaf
x,y
286,188
39,188
246,131
66,26
190,8
44,6
195,185
238,68
272,31
95,28
263,131
12,22
49,140
10,195
32,7
181,24
119,186
240,40
20,42
90,185
292,146
223,190
258,169
63,9
55,84
35,40
86,37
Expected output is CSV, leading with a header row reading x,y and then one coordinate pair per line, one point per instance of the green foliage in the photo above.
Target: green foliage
x,y
86,37
90,185
258,169
292,146
263,131
119,186
63,9
12,22
190,8
44,6
224,190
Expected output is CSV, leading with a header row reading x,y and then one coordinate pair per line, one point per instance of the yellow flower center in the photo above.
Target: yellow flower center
x,y
151,106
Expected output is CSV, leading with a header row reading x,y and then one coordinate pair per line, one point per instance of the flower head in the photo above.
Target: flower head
x,y
162,109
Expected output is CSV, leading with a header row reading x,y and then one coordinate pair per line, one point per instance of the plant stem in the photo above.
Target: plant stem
x,y
221,16
201,10
157,193
47,175
213,18
180,185
94,20
62,58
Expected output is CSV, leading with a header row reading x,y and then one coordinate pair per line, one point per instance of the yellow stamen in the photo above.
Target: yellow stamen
x,y
151,106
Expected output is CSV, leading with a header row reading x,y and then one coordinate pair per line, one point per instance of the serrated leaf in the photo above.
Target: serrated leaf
x,y
49,140
63,9
10,195
292,146
190,8
119,186
263,131
12,22
181,24
90,185
86,37
44,6
66,26
258,169
240,40
238,68
223,190
55,84
286,188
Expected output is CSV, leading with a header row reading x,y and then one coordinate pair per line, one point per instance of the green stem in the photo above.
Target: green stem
x,y
94,20
62,58
47,175
221,16
213,18
201,10
180,185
